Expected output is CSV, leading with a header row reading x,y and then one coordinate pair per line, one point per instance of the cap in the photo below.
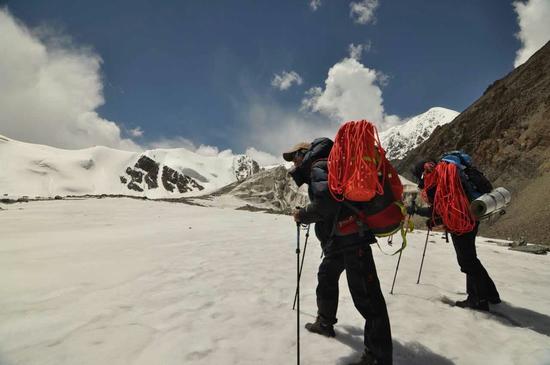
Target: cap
x,y
289,155
422,166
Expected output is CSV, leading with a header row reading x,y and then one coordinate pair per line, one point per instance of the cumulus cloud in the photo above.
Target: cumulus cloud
x,y
50,90
534,24
362,12
263,158
275,128
352,92
314,4
285,80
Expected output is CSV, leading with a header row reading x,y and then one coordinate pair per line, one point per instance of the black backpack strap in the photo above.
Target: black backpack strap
x,y
335,222
360,224
333,231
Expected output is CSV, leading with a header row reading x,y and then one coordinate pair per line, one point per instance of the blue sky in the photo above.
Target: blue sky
x,y
204,72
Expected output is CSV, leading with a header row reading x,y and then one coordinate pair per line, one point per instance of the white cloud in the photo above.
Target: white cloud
x,y
314,4
362,12
274,128
136,132
263,158
207,150
534,24
50,90
356,51
352,92
176,142
382,78
285,80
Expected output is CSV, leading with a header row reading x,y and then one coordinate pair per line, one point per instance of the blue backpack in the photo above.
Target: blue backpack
x,y
473,181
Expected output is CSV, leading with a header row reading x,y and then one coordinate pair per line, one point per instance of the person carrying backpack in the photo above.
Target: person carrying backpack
x,y
349,251
449,186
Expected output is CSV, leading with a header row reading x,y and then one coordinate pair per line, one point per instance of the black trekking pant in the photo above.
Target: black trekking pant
x,y
366,294
479,284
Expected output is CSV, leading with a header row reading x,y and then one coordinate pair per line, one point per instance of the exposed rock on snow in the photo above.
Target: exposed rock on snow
x,y
270,190
171,178
155,174
244,166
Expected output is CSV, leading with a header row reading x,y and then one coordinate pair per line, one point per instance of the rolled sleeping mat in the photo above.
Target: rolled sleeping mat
x,y
490,202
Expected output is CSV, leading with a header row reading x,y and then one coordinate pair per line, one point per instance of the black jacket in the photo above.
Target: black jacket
x,y
323,209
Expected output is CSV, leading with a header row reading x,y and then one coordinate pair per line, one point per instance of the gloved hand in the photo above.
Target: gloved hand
x,y
434,223
296,215
411,209
430,224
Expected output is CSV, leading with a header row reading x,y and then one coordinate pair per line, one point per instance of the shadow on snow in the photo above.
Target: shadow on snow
x,y
512,316
410,353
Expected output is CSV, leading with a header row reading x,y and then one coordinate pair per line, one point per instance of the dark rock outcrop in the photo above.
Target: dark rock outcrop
x,y
145,174
172,179
151,169
135,175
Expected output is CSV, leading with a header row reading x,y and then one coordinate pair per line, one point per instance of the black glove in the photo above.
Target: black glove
x,y
430,224
411,209
434,222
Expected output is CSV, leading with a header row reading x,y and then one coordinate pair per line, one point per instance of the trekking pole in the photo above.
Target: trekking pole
x,y
413,203
395,275
298,290
423,254
301,267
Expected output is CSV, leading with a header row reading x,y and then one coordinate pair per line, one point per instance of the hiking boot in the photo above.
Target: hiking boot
x,y
321,328
366,359
481,305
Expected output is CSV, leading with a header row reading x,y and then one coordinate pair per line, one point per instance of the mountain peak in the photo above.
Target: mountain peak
x,y
399,140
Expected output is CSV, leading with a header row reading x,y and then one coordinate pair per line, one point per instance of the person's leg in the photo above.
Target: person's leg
x,y
479,285
469,264
368,299
492,292
327,291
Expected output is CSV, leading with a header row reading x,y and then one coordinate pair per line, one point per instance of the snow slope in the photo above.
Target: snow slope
x,y
124,281
37,170
399,140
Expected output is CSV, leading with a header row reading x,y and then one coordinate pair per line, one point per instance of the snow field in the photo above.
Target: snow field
x,y
123,281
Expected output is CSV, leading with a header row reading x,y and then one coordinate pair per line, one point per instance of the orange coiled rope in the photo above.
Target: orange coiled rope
x,y
355,161
450,202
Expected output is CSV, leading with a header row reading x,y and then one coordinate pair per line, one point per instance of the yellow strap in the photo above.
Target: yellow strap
x,y
404,230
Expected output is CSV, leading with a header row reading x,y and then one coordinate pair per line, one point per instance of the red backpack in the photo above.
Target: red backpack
x,y
358,171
